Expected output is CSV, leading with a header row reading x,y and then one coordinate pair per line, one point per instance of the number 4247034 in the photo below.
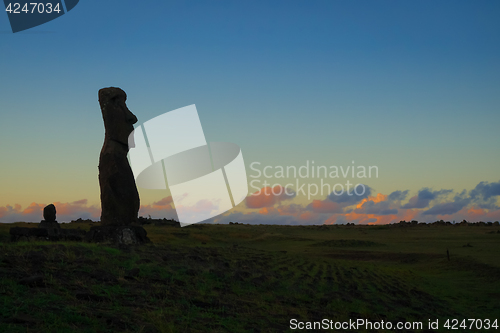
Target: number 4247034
x,y
455,324
33,7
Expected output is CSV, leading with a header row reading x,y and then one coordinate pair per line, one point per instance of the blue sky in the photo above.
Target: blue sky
x,y
412,87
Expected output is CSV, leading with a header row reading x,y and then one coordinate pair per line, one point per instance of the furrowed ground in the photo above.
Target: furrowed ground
x,y
242,278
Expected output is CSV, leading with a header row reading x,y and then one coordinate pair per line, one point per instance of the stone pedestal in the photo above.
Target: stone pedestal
x,y
121,235
52,234
49,224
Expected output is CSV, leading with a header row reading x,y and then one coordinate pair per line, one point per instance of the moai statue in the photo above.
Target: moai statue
x,y
49,218
119,196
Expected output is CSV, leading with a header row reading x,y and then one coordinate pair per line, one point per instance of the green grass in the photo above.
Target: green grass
x,y
241,278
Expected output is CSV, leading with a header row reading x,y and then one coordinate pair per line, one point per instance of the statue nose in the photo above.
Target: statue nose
x,y
131,118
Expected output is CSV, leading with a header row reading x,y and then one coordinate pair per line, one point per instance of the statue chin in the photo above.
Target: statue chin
x,y
122,143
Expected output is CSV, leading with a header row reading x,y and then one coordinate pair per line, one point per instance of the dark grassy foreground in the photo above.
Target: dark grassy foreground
x,y
240,278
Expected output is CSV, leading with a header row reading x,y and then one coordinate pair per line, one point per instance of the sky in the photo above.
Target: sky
x,y
411,88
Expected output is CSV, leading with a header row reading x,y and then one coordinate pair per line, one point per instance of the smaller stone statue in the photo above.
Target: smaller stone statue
x,y
49,215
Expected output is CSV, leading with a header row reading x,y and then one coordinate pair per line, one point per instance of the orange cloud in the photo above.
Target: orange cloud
x,y
372,219
307,216
476,214
331,220
66,210
325,206
34,208
268,197
268,210
379,198
160,209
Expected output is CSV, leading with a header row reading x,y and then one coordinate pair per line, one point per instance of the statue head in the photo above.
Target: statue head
x,y
49,213
118,120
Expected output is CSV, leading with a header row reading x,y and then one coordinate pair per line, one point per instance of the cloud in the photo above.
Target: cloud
x,y
9,213
336,219
486,190
291,209
378,208
424,197
273,217
347,198
372,205
398,195
381,204
65,212
475,213
77,209
325,206
485,194
337,203
447,208
268,197
363,218
34,209
80,202
164,202
160,209
197,211
289,214
478,204
426,206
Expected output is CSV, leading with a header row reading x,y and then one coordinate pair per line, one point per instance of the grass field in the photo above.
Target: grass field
x,y
242,278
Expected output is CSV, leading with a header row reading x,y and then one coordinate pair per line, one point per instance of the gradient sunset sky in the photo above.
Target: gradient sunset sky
x,y
410,87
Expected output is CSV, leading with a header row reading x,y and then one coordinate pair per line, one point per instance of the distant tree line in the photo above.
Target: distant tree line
x,y
441,222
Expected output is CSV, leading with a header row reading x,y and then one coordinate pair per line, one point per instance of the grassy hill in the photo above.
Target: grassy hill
x,y
242,278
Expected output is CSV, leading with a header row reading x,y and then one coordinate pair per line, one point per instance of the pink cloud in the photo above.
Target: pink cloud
x,y
325,206
80,202
65,212
160,209
33,208
164,202
76,210
268,197
374,209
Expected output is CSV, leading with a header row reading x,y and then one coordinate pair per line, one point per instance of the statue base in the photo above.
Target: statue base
x,y
121,235
49,224
46,233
